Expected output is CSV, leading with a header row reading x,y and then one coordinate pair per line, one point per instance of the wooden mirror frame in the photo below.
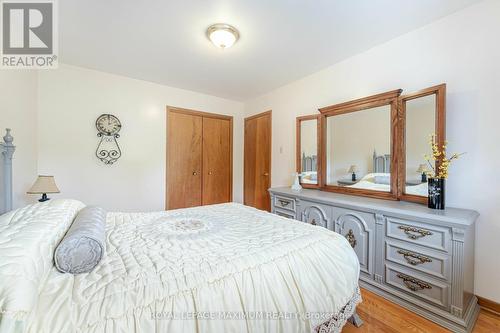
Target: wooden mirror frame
x,y
298,153
440,131
388,98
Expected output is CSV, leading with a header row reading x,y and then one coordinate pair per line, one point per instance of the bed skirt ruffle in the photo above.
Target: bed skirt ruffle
x,y
335,324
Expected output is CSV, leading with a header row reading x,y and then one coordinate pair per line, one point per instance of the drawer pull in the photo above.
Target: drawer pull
x,y
351,239
412,283
313,222
414,258
412,231
284,203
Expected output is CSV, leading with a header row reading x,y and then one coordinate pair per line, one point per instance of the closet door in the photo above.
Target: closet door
x,y
217,164
184,160
257,162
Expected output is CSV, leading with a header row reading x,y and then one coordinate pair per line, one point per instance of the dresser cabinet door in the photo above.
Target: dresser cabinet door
x,y
314,213
359,229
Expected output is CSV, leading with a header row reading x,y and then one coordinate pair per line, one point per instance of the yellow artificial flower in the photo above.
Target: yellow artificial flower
x,y
439,156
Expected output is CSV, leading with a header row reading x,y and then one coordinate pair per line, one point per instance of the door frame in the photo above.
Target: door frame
x,y
258,115
174,109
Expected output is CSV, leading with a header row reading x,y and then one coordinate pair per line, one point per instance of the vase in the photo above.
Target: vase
x,y
436,193
296,183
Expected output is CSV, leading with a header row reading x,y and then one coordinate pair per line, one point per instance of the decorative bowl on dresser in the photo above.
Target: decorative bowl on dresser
x,y
419,258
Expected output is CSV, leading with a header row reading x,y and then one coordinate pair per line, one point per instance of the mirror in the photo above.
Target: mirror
x,y
308,161
423,115
373,146
360,137
358,148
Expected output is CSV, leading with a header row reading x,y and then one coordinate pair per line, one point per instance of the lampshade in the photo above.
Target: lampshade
x,y
44,184
422,168
352,169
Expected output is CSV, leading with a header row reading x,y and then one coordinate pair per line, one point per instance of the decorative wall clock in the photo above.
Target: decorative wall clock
x,y
108,150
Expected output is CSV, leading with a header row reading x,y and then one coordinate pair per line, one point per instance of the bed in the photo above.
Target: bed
x,y
219,268
379,179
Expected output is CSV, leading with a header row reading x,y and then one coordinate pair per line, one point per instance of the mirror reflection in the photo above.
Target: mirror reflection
x,y
309,151
420,124
358,149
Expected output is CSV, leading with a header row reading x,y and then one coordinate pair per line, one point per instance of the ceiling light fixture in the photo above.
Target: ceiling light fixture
x,y
222,35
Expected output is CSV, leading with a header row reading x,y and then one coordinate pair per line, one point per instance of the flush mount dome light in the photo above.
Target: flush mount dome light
x,y
222,35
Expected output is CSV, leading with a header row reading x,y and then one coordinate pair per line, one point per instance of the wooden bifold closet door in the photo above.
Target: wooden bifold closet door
x,y
199,158
216,161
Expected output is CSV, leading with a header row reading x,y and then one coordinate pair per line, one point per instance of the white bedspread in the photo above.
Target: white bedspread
x,y
177,271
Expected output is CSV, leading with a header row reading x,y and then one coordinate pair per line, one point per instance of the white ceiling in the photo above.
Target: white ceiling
x,y
164,41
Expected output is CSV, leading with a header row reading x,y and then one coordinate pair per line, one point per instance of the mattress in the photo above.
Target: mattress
x,y
220,268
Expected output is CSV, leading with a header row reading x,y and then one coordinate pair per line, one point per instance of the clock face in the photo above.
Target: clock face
x,y
108,124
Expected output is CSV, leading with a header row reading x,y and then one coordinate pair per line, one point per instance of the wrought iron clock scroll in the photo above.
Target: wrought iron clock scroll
x,y
108,150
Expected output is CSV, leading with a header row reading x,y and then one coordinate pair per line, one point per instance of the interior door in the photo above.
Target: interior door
x,y
184,160
217,162
258,161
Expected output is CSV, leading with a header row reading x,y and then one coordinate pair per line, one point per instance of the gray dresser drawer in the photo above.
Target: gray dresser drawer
x,y
428,289
424,260
285,213
315,213
284,203
359,229
430,236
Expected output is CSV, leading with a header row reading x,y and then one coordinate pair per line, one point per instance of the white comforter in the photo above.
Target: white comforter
x,y
221,268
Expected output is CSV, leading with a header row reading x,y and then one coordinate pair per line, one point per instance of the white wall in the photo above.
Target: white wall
x,y
460,50
70,100
18,96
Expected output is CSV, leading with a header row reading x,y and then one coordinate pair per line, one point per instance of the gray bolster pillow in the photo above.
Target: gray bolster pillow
x,y
83,246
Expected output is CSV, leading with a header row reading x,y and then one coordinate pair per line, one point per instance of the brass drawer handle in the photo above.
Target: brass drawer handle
x,y
284,203
351,239
420,259
411,231
412,283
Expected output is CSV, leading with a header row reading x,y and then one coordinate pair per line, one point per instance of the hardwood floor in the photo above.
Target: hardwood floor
x,y
380,315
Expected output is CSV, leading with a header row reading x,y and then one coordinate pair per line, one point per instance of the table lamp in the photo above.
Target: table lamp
x,y
353,169
44,185
422,169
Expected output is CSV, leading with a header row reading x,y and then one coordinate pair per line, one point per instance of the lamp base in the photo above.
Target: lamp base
x,y
44,198
424,178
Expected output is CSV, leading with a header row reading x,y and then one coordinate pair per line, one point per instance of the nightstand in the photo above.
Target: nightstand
x,y
346,182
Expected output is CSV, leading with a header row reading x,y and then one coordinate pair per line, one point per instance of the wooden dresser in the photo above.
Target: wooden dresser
x,y
420,258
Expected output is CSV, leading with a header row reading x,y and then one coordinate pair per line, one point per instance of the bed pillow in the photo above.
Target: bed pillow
x,y
83,245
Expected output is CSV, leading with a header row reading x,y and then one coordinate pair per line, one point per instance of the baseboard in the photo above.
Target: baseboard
x,y
489,305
